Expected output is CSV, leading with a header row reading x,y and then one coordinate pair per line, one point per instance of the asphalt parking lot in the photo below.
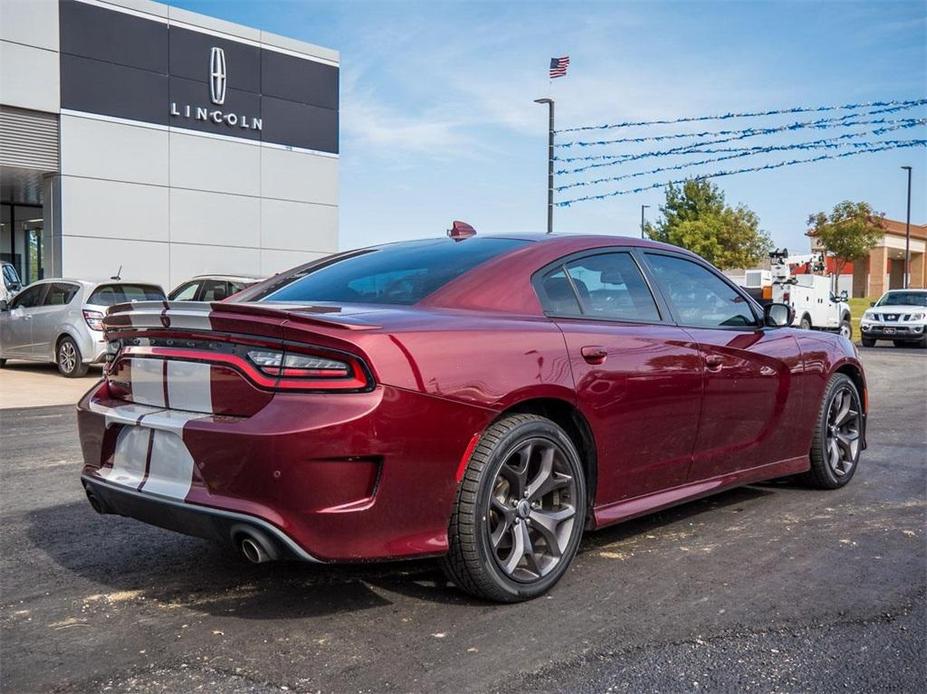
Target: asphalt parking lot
x,y
768,588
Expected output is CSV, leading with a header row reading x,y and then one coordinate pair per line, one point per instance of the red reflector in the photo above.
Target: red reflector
x,y
465,459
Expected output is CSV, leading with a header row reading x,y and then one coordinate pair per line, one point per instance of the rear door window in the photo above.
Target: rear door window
x,y
605,285
60,294
110,294
214,290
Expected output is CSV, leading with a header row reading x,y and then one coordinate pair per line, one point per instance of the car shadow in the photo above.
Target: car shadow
x,y
677,514
126,556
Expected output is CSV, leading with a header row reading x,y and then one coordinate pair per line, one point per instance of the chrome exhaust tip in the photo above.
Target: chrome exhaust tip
x,y
253,551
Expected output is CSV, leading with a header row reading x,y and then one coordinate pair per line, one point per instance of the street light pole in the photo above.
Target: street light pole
x,y
907,233
643,207
550,163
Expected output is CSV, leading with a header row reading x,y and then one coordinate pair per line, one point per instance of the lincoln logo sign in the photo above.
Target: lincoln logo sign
x,y
217,84
217,75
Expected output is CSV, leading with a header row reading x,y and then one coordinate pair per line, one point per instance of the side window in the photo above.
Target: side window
x,y
606,285
699,297
214,290
60,294
610,285
185,292
29,297
559,298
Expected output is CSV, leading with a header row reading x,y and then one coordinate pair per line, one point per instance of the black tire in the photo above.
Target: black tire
x,y
846,328
2,363
69,360
868,342
823,473
472,562
805,322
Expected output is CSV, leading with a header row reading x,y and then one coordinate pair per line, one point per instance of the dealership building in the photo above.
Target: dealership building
x,y
138,135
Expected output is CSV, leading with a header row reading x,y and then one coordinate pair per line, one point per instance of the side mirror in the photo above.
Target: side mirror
x,y
872,303
777,315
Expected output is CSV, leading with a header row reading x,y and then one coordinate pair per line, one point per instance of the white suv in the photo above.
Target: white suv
x,y
900,316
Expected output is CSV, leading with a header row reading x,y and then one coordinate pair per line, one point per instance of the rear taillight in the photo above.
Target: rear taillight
x,y
295,365
308,369
94,319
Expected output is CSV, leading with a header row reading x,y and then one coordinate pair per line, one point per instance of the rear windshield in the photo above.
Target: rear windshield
x,y
401,273
110,294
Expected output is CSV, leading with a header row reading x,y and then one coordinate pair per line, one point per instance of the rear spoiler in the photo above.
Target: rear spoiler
x,y
198,315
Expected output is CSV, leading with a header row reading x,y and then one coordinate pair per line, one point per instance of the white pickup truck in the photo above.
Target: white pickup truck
x,y
810,296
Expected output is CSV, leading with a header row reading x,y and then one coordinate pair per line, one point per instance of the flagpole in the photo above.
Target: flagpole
x,y
550,162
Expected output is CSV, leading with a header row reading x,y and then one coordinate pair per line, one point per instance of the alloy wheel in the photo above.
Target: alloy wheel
x,y
843,431
532,510
67,356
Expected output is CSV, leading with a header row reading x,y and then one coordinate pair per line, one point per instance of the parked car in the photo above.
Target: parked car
x,y
211,287
900,315
9,281
480,399
61,321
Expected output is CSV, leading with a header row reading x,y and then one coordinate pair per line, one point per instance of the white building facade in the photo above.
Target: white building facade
x,y
138,135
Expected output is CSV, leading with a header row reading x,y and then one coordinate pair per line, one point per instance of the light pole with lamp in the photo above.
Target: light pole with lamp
x,y
643,207
550,163
907,233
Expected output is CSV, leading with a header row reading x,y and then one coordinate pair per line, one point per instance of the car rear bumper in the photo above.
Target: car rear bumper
x,y
200,521
331,477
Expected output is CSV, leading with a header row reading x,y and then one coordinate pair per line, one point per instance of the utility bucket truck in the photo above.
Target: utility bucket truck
x,y
810,296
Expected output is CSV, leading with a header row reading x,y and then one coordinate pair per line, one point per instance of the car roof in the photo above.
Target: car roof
x,y
93,283
916,290
219,276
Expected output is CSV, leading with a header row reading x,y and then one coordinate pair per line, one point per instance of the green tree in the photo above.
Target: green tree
x,y
696,217
848,233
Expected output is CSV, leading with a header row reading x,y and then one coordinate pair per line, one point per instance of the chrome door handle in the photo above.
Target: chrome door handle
x,y
594,354
713,362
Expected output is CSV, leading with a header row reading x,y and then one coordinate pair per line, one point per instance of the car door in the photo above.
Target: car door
x,y
751,371
16,325
48,318
638,377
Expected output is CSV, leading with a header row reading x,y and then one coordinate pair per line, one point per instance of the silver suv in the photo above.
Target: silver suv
x,y
61,321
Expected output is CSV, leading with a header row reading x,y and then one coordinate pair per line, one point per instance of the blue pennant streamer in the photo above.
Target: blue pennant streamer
x,y
898,145
840,140
739,155
749,114
686,149
818,123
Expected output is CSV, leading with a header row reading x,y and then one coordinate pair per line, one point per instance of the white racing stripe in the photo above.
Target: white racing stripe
x,y
123,414
129,458
170,470
147,376
189,386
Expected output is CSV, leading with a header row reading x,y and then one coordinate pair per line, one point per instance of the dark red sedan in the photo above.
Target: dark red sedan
x,y
481,399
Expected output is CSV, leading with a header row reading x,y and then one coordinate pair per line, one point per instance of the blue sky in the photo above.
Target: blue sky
x,y
438,120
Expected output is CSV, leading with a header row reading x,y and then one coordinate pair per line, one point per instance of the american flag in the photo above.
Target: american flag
x,y
558,66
